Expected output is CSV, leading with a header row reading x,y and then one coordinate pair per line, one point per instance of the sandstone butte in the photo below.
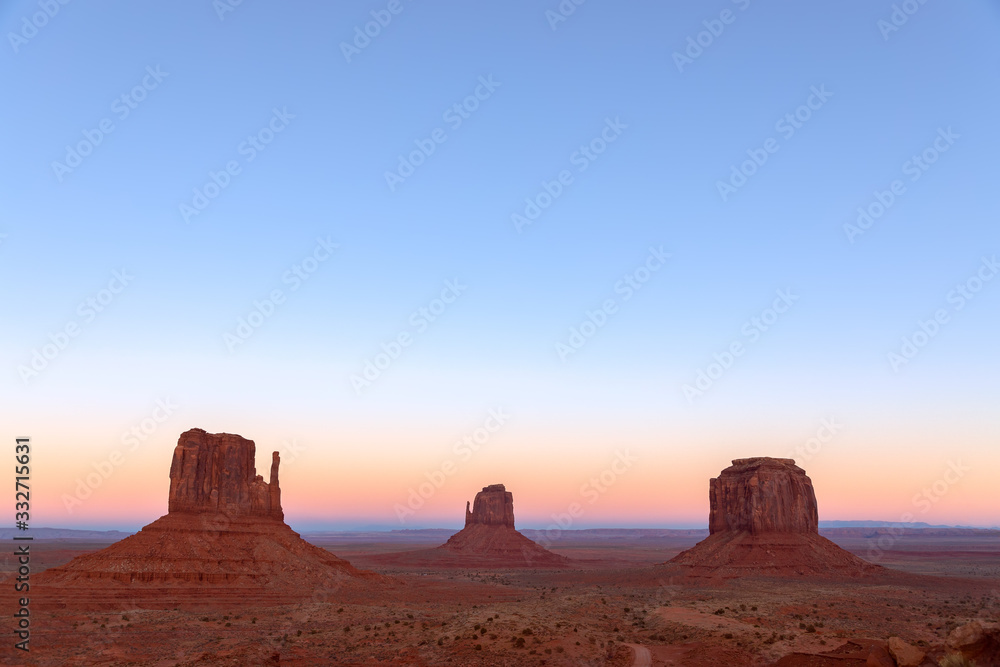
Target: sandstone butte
x,y
223,538
489,533
488,540
763,521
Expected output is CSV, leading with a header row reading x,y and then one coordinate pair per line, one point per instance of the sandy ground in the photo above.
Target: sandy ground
x,y
614,609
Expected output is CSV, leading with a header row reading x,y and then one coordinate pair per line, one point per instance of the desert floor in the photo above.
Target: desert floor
x,y
615,608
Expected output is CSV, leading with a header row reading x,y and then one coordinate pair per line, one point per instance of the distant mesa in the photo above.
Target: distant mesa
x,y
763,520
223,537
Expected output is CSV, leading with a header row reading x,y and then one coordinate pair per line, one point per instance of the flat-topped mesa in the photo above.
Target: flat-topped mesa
x,y
493,506
215,472
763,522
762,495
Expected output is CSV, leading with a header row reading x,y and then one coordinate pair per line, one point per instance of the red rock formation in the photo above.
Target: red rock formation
x,y
223,538
763,520
215,472
489,537
494,506
762,495
978,641
488,540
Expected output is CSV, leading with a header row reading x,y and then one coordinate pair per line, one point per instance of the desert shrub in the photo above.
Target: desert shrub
x,y
957,660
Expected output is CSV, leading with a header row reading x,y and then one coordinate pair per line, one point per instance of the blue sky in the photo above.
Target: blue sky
x,y
555,90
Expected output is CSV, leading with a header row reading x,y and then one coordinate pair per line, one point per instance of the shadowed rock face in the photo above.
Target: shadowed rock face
x,y
215,472
763,522
489,538
762,495
223,541
494,506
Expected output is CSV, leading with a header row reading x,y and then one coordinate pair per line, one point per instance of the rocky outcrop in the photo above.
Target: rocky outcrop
x,y
493,506
761,495
215,472
223,540
488,540
489,537
977,641
763,521
905,655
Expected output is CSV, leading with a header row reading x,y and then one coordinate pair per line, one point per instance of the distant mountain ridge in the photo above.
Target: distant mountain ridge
x,y
431,534
891,524
63,534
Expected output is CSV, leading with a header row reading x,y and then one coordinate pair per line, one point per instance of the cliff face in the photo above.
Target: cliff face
x,y
223,539
215,472
762,495
494,506
763,522
489,538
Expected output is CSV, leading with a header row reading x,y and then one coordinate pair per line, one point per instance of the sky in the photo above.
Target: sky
x,y
591,251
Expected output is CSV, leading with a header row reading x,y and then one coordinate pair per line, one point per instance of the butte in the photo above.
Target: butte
x,y
488,540
763,521
223,540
